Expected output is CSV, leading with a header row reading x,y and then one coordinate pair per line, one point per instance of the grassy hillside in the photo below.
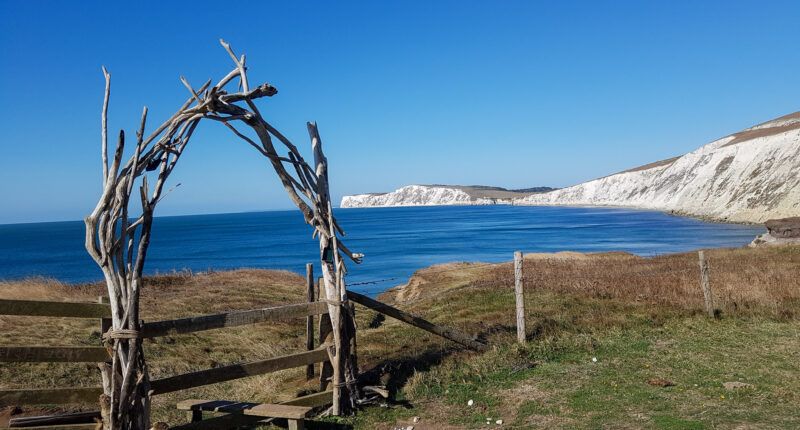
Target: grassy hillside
x,y
640,318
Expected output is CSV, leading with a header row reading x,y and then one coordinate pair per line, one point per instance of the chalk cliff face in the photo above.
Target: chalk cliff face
x,y
417,195
750,176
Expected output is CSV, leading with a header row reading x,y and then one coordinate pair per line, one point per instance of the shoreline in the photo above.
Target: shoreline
x,y
704,218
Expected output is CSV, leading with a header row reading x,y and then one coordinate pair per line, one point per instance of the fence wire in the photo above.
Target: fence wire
x,y
645,269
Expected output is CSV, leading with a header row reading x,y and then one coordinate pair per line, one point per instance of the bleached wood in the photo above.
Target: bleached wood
x,y
55,420
55,396
54,309
81,426
236,371
519,294
704,284
119,246
247,408
325,336
53,354
279,411
310,318
426,325
232,319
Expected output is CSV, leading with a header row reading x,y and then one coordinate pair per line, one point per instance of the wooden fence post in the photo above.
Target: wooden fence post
x,y
105,323
310,319
325,336
520,296
704,284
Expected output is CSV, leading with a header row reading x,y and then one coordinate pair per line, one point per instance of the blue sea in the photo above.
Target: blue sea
x,y
396,241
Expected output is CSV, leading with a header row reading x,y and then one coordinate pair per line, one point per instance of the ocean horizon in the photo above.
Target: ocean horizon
x,y
396,241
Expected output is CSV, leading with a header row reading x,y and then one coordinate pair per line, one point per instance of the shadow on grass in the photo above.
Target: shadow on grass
x,y
395,373
322,425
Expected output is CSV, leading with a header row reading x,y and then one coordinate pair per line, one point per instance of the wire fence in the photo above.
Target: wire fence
x,y
637,269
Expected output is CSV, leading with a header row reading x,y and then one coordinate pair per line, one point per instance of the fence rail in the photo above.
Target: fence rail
x,y
236,371
54,309
232,319
149,330
53,354
50,396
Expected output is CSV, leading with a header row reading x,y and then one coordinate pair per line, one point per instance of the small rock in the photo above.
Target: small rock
x,y
658,382
499,422
736,384
416,419
470,402
594,359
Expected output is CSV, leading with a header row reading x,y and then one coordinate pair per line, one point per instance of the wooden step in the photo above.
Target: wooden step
x,y
87,417
247,408
92,426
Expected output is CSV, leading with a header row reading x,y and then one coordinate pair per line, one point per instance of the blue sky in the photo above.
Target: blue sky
x,y
513,94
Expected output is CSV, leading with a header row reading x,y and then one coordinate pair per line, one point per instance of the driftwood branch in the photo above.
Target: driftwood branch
x,y
119,246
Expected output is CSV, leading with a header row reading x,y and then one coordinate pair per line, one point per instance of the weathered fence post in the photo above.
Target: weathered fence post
x,y
520,296
310,319
345,369
325,336
704,284
105,323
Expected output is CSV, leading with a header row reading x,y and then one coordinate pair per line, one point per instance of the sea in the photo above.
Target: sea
x,y
396,241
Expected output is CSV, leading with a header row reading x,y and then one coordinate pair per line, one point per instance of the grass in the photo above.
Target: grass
x,y
640,318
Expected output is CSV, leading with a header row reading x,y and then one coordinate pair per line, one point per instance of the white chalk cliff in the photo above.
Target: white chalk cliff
x,y
750,176
417,195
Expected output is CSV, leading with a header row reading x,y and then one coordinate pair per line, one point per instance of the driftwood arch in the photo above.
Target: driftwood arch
x,y
119,244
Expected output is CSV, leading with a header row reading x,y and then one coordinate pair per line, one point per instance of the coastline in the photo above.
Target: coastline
x,y
704,218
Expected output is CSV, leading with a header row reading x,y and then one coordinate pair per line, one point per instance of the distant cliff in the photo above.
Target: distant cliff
x,y
439,195
750,176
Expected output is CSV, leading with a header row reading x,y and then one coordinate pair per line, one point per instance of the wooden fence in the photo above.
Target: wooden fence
x,y
99,354
73,354
316,352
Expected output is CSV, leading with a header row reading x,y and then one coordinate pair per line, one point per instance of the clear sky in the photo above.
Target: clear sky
x,y
512,94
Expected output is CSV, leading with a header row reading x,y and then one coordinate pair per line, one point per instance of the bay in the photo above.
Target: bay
x,y
396,241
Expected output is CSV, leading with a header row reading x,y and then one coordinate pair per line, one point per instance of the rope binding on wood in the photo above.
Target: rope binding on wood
x,y
122,334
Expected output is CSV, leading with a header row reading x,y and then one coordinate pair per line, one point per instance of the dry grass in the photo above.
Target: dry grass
x,y
744,281
574,302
